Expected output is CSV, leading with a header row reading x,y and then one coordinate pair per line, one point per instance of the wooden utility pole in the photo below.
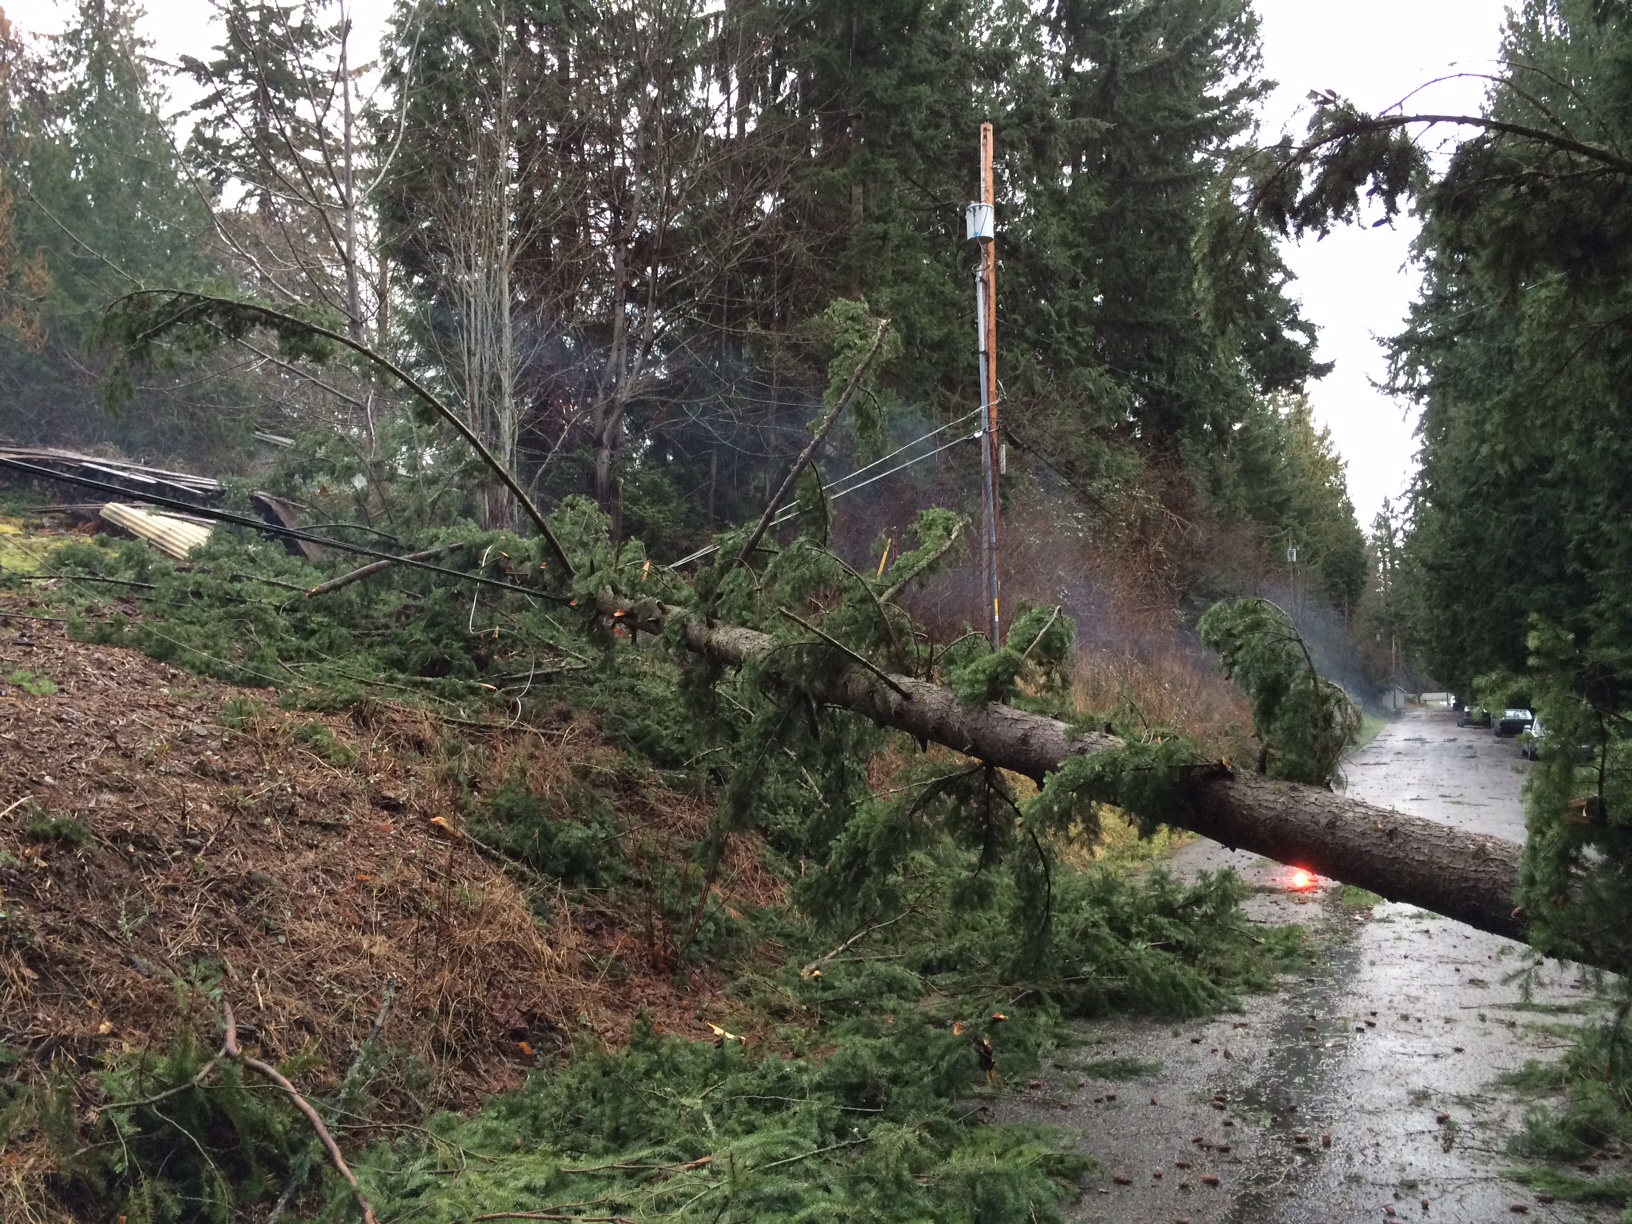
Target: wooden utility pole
x,y
982,227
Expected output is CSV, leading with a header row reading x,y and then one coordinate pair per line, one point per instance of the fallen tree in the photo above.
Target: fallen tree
x,y
1470,877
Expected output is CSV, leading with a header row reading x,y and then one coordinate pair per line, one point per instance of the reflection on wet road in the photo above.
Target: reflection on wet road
x,y
1364,1089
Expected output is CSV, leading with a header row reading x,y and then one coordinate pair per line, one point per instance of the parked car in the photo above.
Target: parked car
x,y
1472,716
1530,742
1533,742
1514,721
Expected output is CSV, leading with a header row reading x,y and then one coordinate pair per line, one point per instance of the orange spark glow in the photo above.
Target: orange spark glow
x,y
1301,880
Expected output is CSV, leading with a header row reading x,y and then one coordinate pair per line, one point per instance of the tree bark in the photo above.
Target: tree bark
x,y
1466,876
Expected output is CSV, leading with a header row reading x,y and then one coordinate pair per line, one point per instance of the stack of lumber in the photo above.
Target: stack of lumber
x,y
134,476
167,532
141,482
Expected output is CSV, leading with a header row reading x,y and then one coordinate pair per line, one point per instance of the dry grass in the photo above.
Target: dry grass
x,y
1137,662
295,874
1169,688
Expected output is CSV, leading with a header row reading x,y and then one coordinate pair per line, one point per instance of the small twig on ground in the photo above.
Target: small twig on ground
x,y
196,1081
303,1162
624,1166
847,944
229,1048
145,586
832,1147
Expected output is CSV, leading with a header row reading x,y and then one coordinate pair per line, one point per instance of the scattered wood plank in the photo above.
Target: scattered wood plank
x,y
166,532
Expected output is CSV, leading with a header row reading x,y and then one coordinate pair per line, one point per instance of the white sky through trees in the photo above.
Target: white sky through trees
x,y
1355,285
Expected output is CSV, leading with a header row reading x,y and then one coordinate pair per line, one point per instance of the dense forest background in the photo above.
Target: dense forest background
x,y
610,234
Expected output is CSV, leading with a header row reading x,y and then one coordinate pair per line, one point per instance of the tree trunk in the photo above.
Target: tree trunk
x,y
1467,876
354,308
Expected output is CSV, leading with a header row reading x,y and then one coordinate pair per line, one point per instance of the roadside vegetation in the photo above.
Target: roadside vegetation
x,y
465,861
708,995
1508,568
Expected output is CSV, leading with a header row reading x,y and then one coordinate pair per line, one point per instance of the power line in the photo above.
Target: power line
x,y
240,520
898,468
908,446
833,493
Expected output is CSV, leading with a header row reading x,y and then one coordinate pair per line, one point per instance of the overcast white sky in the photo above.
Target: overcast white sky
x,y
1355,285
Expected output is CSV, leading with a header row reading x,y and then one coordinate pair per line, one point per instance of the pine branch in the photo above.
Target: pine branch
x,y
859,658
230,1050
375,567
809,453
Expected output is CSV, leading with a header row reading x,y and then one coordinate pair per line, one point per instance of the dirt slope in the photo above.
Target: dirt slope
x,y
151,856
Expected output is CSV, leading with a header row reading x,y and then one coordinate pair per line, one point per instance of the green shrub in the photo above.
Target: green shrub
x,y
32,683
64,829
320,739
571,836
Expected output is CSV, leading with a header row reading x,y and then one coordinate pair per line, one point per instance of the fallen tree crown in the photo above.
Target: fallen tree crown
x,y
1470,877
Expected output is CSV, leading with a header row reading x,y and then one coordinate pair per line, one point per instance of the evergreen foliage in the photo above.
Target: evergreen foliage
x,y
1304,722
683,1130
954,885
154,1174
1512,578
101,205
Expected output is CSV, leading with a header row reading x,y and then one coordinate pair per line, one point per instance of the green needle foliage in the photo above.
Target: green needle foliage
x,y
685,1130
944,890
1305,723
870,1109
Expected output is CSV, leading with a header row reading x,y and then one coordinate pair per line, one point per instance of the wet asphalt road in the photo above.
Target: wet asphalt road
x,y
1389,1047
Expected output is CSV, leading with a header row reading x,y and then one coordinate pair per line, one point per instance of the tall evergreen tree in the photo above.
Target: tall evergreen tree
x,y
102,198
276,136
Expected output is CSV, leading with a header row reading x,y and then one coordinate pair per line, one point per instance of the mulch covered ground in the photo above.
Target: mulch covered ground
x,y
153,859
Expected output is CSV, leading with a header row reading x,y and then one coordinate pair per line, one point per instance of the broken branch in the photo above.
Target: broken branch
x,y
838,645
230,1049
374,567
815,443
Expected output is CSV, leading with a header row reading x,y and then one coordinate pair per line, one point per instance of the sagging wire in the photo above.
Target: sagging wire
x,y
908,446
834,491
